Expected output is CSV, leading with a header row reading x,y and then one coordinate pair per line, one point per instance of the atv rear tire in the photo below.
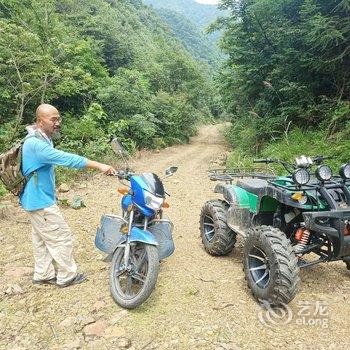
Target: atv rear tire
x,y
217,237
270,265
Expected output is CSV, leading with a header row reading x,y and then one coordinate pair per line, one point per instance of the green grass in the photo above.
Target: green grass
x,y
295,143
3,191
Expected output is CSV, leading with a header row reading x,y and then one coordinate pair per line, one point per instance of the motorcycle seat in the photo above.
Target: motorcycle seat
x,y
255,186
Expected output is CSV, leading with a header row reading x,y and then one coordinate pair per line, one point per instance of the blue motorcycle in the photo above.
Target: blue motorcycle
x,y
136,241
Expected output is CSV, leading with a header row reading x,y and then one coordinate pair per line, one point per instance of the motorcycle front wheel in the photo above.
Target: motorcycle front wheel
x,y
132,283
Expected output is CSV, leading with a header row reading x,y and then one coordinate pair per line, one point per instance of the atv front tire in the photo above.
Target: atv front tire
x,y
270,265
217,237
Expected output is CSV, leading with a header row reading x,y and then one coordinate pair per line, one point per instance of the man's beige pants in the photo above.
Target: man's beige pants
x,y
52,241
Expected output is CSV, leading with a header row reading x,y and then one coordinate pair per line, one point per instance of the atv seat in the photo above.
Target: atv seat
x,y
255,186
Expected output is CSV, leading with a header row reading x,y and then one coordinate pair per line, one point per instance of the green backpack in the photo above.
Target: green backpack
x,y
11,169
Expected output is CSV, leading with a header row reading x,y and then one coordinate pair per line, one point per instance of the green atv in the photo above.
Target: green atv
x,y
281,219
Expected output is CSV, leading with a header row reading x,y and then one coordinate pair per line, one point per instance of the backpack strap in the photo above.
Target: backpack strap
x,y
38,136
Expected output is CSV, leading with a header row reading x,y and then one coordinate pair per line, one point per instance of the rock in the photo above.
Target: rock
x,y
96,345
98,305
176,182
114,332
18,272
14,289
2,238
63,188
7,211
84,320
119,316
77,203
95,329
124,343
67,322
76,344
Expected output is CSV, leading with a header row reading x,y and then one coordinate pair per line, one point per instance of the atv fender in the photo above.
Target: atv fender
x,y
238,215
235,196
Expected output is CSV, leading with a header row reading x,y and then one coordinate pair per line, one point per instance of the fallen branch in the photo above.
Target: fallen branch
x,y
204,280
223,307
146,345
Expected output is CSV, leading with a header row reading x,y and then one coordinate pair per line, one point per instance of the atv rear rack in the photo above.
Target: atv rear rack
x,y
224,174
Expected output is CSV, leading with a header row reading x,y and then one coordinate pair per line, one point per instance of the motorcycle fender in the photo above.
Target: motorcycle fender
x,y
120,243
109,257
138,235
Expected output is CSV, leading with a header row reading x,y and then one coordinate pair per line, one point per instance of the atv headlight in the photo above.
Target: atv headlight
x,y
344,171
300,197
301,176
153,202
323,172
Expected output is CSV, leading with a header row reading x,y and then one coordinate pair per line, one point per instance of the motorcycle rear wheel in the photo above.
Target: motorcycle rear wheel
x,y
131,285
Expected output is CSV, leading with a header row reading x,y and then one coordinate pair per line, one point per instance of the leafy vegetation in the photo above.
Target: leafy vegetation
x,y
110,67
286,82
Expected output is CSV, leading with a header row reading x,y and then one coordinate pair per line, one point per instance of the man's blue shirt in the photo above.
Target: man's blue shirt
x,y
39,156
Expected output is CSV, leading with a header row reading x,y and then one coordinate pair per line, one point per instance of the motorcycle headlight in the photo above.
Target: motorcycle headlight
x,y
344,171
323,173
301,176
153,202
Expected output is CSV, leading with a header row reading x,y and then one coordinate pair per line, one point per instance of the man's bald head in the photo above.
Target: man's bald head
x,y
45,110
48,119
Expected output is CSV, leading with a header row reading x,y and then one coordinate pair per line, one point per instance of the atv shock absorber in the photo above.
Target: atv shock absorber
x,y
302,236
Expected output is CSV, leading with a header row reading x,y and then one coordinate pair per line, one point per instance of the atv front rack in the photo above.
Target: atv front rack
x,y
229,175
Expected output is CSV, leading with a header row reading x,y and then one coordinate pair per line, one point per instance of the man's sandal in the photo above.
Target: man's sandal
x,y
49,281
79,278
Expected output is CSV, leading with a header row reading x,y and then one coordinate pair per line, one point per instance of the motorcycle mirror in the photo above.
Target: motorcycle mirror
x,y
171,170
117,147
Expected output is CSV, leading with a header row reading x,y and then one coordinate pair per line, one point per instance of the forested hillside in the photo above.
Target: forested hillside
x,y
286,82
191,37
200,15
110,66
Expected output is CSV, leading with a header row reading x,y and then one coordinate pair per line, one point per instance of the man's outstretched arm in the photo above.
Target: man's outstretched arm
x,y
107,169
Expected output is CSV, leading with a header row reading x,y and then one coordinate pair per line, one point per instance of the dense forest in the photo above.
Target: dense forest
x,y
286,83
111,67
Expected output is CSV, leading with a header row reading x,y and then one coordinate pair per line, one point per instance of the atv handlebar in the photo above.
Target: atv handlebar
x,y
267,161
319,159
288,166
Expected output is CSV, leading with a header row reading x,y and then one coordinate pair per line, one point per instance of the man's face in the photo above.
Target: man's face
x,y
50,123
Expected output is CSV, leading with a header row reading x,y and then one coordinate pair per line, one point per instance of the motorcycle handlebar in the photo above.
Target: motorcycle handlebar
x,y
121,174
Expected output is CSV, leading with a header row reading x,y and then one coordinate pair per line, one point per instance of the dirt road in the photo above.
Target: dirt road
x,y
200,302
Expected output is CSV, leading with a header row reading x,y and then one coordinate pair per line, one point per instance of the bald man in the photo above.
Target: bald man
x,y
52,238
